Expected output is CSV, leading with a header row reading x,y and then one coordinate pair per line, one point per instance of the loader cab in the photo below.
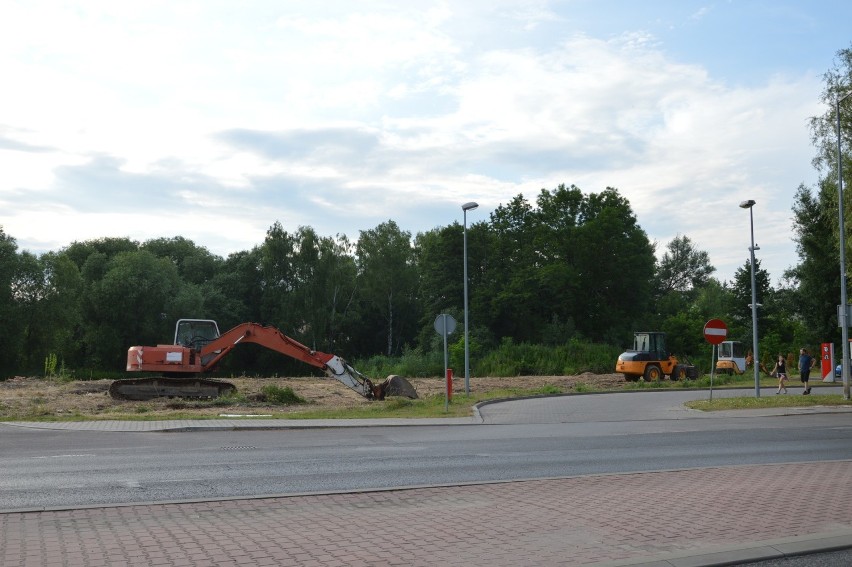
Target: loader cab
x,y
653,343
650,359
195,333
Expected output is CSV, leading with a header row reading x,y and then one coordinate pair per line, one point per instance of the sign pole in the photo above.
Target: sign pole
x,y
712,370
446,364
715,332
445,325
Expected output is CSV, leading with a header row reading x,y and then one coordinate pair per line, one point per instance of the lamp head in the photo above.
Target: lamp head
x,y
469,206
747,204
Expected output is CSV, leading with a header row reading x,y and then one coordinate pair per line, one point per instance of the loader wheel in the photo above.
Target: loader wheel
x,y
653,373
679,373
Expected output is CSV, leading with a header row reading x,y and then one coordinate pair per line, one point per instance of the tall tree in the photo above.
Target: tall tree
x,y
388,283
740,310
132,304
279,278
616,268
326,275
47,292
683,268
816,280
234,294
515,306
11,330
824,136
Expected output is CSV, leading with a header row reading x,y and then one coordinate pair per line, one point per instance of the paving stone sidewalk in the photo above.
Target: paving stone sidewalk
x,y
688,517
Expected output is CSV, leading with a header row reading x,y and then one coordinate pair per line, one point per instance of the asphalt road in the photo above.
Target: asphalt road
x,y
45,468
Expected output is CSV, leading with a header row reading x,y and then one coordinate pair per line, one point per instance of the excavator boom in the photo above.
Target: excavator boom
x,y
194,354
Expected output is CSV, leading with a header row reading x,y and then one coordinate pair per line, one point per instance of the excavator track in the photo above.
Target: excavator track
x,y
163,387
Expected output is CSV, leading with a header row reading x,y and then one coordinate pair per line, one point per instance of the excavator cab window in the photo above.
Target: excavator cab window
x,y
195,333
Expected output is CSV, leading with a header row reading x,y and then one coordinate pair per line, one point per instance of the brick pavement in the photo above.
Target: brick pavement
x,y
604,519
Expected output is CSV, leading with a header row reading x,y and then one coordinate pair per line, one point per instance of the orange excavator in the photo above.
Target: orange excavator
x,y
198,347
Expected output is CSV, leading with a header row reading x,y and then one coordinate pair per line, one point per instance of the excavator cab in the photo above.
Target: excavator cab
x,y
195,333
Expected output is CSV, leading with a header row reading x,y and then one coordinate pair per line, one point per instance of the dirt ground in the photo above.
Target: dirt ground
x,y
28,398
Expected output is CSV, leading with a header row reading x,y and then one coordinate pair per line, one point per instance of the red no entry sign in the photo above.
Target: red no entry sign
x,y
715,331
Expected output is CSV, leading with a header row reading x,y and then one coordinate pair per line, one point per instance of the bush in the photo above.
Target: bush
x,y
281,396
574,357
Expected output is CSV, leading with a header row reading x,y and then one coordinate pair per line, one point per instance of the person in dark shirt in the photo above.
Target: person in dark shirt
x,y
806,362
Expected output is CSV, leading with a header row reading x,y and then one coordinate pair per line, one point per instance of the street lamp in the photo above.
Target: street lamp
x,y
844,325
748,205
465,208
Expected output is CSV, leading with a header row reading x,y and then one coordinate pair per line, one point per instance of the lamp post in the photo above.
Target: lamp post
x,y
748,205
465,208
844,324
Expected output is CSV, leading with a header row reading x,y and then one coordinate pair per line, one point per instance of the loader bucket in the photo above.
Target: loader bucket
x,y
395,385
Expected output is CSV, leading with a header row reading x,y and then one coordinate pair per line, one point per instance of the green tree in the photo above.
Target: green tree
x,y
740,310
388,286
683,268
11,331
824,127
79,252
279,278
815,279
816,220
195,264
616,269
133,304
513,306
234,294
323,303
439,259
47,293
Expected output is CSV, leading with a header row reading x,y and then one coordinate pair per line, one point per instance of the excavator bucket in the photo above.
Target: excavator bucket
x,y
395,385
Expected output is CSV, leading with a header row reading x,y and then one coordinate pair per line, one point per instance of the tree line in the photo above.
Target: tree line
x,y
566,266
570,266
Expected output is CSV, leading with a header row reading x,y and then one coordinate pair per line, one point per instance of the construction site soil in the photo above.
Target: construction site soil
x,y
43,398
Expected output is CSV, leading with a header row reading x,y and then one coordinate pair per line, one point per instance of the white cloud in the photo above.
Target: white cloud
x,y
351,115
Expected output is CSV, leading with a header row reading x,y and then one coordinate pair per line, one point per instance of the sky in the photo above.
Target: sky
x,y
212,120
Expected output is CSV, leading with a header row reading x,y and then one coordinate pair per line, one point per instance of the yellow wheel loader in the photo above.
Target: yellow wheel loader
x,y
650,360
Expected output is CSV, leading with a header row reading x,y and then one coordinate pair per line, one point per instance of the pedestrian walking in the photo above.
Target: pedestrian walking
x,y
780,370
806,362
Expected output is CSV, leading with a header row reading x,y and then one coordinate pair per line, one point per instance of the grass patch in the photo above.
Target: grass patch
x,y
720,381
773,401
279,396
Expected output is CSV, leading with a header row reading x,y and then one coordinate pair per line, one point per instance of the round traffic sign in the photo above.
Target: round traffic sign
x,y
445,324
715,331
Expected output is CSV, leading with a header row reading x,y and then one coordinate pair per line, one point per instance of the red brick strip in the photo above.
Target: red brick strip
x,y
571,521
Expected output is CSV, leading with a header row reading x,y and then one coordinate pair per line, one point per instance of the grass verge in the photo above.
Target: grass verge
x,y
771,401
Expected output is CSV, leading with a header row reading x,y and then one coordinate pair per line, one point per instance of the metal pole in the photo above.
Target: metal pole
x,y
465,208
754,310
712,370
446,361
750,206
844,326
